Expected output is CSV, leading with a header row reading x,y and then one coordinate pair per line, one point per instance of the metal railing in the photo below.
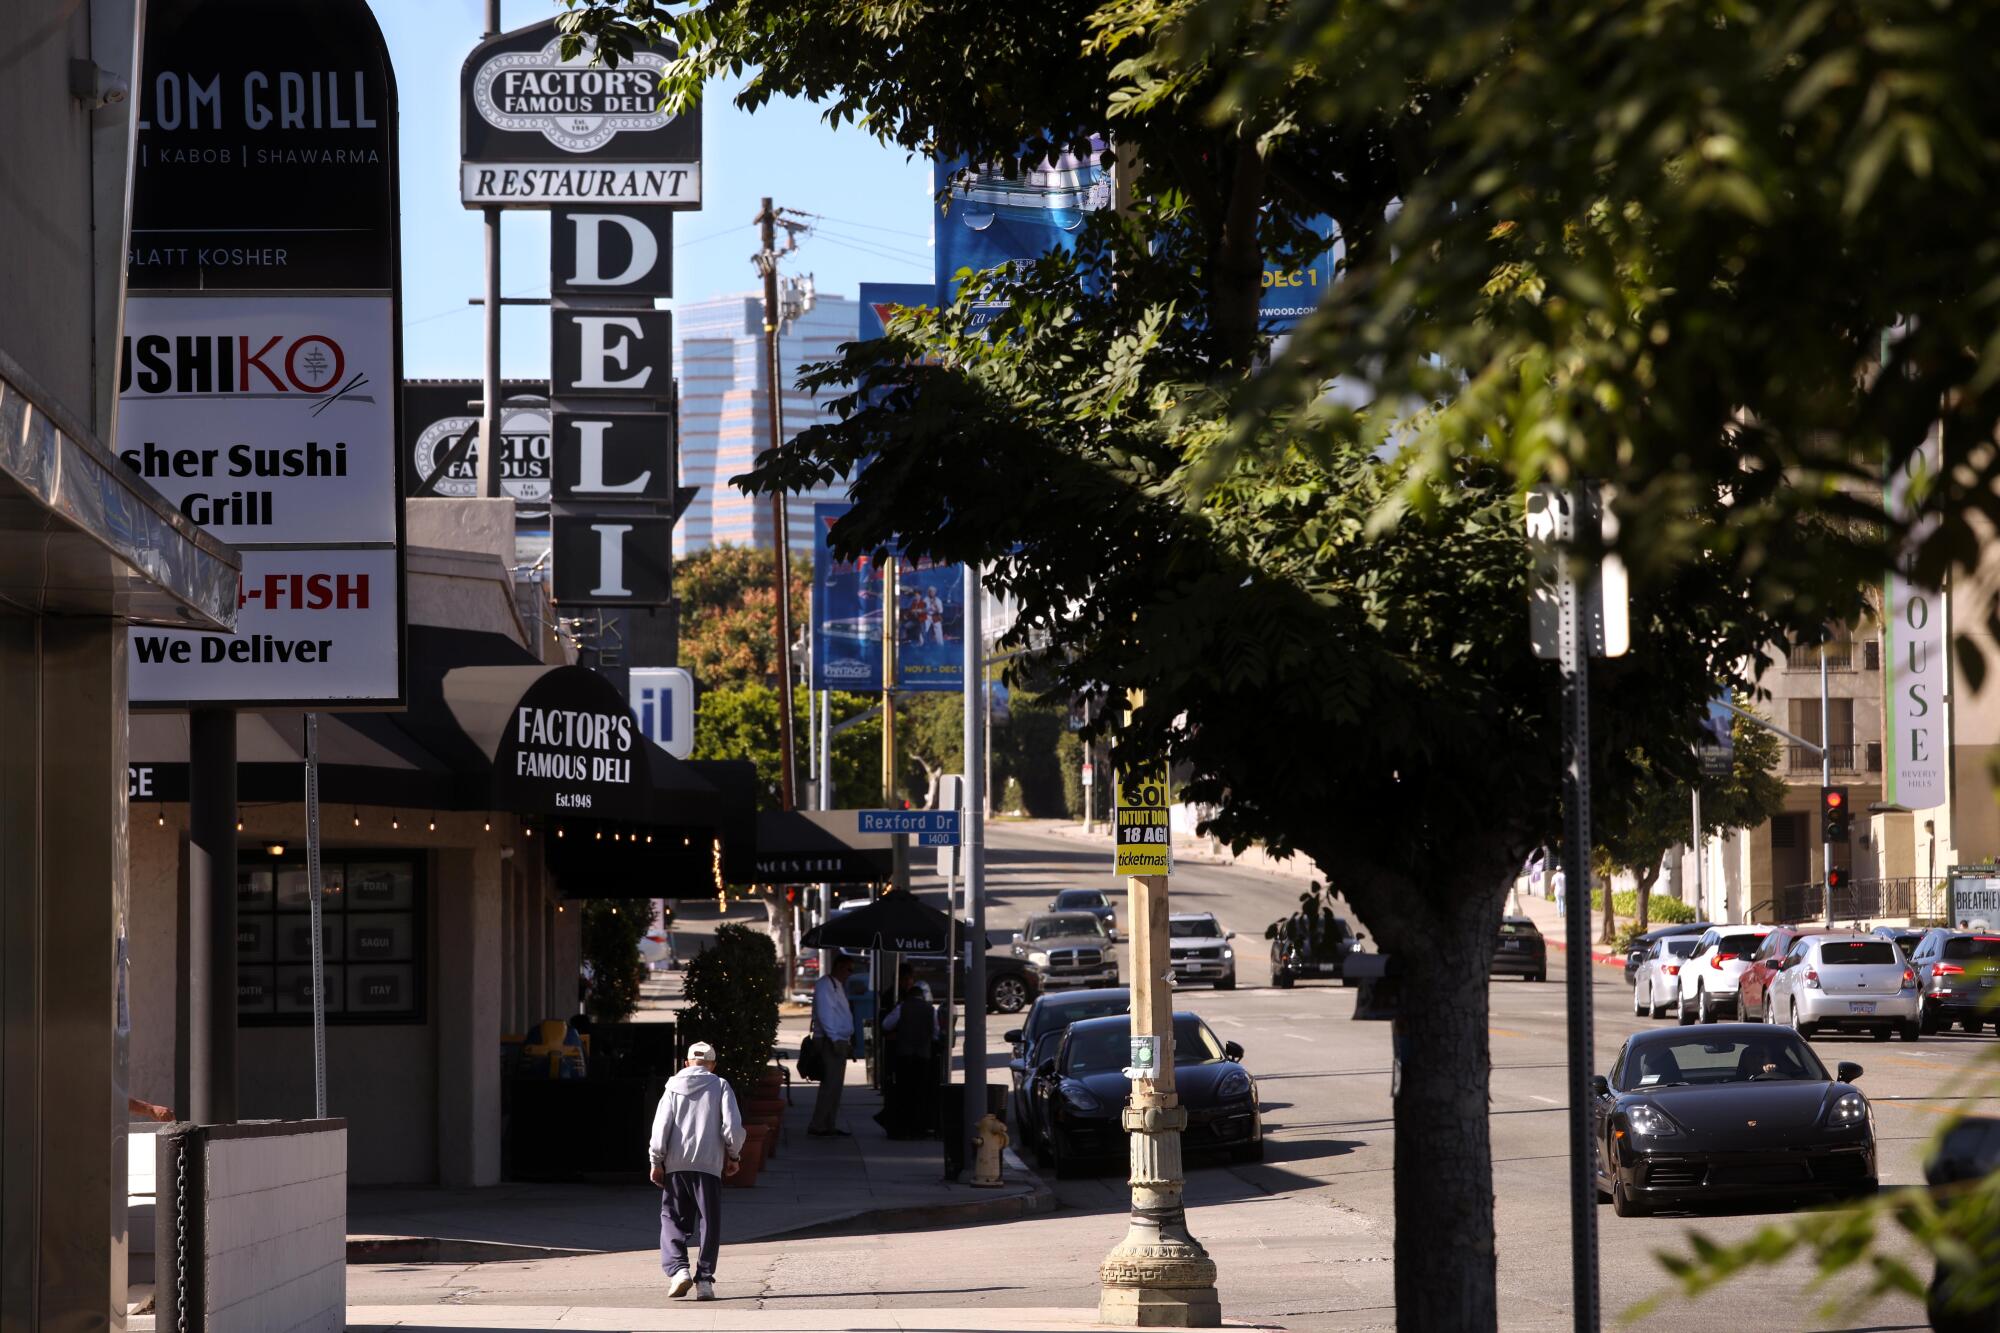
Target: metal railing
x,y
1805,657
1843,758
1916,898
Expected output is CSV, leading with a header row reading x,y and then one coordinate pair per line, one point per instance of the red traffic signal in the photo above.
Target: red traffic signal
x,y
1833,814
1836,877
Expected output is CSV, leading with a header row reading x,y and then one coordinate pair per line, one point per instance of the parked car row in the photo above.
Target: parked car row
x,y
1069,1087
1891,982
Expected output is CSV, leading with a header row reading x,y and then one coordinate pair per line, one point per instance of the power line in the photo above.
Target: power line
x,y
870,226
462,309
889,255
924,255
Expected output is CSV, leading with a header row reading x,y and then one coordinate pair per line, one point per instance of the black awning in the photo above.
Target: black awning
x,y
562,742
893,923
819,847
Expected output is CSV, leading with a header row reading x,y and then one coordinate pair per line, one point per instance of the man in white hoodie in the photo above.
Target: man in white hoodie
x,y
697,1137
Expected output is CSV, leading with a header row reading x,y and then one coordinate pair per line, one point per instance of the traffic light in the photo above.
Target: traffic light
x,y
1836,878
1833,814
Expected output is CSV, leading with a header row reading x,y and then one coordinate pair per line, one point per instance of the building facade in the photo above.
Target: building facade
x,y
724,412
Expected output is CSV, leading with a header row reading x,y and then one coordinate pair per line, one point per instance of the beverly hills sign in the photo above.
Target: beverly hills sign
x,y
539,130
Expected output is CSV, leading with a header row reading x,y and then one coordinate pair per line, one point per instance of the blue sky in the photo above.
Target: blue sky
x,y
876,203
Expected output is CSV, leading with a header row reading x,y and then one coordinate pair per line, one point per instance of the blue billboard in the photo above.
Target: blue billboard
x,y
1290,294
997,214
881,300
928,618
847,613
930,625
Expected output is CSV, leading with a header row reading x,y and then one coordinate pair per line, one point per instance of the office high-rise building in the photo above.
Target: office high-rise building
x,y
719,358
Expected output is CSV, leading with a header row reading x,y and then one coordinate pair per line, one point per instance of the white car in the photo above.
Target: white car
x,y
1657,982
1845,982
1708,977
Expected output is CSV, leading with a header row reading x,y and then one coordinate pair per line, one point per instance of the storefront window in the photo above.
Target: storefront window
x,y
371,937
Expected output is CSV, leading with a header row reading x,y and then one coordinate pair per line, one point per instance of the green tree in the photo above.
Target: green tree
x,y
1328,625
741,722
729,615
1656,811
612,929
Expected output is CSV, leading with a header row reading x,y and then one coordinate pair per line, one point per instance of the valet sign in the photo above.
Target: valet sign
x,y
259,371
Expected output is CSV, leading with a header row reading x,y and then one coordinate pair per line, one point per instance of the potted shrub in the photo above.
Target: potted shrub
x,y
733,990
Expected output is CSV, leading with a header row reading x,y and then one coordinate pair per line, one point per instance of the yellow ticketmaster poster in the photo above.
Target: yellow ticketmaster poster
x,y
1144,837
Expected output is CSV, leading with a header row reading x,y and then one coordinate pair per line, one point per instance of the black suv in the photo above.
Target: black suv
x,y
1298,951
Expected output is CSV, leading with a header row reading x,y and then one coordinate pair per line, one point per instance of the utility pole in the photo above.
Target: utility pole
x,y
1700,903
972,855
766,261
488,471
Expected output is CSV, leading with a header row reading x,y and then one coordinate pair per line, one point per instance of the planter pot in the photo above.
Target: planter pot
x,y
764,1108
756,1144
770,1083
771,1138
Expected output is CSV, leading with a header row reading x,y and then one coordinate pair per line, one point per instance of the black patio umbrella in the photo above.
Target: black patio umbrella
x,y
893,923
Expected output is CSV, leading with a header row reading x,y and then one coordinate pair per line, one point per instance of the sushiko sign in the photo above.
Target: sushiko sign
x,y
540,130
262,354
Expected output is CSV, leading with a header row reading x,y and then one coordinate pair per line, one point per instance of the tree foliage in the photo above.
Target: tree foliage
x,y
612,929
1660,244
733,990
729,615
1654,811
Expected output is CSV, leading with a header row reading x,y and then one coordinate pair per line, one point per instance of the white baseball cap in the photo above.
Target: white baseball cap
x,y
701,1050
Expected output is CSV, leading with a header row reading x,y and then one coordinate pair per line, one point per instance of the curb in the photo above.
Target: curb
x,y
1601,959
447,1250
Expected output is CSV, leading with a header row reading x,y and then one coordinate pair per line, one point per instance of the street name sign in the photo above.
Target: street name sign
x,y
1142,828
907,821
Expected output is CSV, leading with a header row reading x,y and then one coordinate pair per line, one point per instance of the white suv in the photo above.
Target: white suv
x,y
1708,977
1845,981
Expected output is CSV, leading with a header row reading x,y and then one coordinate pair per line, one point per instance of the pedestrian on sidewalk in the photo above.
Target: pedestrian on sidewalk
x,y
697,1139
911,1038
833,1030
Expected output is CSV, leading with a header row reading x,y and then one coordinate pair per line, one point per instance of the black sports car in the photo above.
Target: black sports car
x,y
1727,1111
1079,1093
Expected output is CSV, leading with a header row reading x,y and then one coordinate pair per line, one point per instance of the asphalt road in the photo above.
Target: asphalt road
x,y
1305,1238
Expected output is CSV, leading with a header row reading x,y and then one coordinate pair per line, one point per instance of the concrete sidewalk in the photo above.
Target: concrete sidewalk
x,y
702,1318
864,1182
1542,911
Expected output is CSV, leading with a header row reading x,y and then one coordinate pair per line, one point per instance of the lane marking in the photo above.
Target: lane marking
x,y
1550,1100
1293,1036
1506,1032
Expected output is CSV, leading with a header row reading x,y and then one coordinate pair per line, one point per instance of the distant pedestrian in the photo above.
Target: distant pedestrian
x,y
1562,890
911,1037
697,1137
833,1030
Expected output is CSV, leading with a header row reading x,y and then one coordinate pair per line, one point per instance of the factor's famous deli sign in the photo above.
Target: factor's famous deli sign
x,y
570,746
562,745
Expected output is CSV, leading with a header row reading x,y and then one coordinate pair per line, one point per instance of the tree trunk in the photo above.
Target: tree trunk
x,y
1442,941
1646,882
1610,933
1445,1267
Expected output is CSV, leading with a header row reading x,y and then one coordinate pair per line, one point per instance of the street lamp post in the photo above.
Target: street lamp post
x,y
1158,1276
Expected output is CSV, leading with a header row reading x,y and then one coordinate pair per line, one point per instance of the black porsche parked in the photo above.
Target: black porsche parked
x,y
1727,1111
1079,1095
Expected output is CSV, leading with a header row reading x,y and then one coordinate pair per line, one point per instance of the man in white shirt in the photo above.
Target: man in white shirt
x,y
833,1032
696,1140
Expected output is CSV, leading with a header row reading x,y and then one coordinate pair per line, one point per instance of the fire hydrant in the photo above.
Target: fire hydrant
x,y
989,1137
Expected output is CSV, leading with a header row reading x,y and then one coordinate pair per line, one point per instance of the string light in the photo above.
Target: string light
x,y
649,840
276,849
559,831
239,826
600,838
394,821
161,817
357,816
529,831
489,826
434,821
